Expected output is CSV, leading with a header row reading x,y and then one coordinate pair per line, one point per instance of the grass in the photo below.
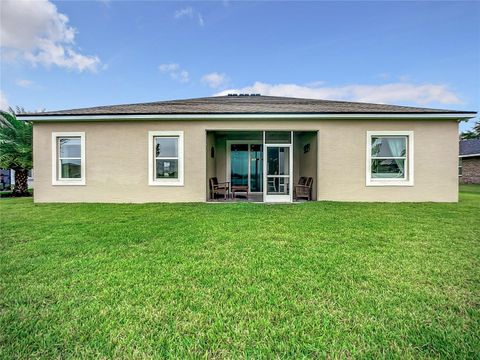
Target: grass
x,y
470,189
240,280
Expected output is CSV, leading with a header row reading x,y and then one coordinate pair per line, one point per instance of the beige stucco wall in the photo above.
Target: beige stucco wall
x,y
117,166
211,164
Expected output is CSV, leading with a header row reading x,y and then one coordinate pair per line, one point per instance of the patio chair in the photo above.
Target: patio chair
x,y
219,188
304,188
301,181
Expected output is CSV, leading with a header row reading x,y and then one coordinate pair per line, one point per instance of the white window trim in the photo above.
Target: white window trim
x,y
409,181
151,158
55,161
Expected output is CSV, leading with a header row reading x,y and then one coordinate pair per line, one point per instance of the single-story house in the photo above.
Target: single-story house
x,y
469,162
251,147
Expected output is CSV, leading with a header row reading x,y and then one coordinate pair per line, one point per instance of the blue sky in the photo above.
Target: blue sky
x,y
58,55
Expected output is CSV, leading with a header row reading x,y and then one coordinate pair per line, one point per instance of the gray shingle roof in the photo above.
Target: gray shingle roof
x,y
248,105
469,147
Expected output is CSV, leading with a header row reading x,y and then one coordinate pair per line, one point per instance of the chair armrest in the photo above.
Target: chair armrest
x,y
221,185
302,186
224,185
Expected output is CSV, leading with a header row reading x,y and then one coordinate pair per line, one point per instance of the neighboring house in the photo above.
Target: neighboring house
x,y
169,151
7,179
469,162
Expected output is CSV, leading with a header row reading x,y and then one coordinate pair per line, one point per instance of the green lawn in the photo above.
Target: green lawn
x,y
240,280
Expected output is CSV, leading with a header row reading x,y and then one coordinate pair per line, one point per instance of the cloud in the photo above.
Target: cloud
x,y
214,80
3,101
183,76
185,12
168,67
35,31
175,72
24,83
398,92
190,13
200,20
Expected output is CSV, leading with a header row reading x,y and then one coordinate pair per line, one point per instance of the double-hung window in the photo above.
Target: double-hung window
x,y
68,158
389,158
165,158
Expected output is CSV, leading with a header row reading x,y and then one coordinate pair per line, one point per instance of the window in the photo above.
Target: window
x,y
68,158
460,167
278,137
389,158
165,158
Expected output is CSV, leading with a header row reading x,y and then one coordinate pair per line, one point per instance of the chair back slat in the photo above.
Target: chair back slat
x,y
213,182
309,182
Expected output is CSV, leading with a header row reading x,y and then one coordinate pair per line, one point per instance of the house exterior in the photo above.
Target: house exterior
x,y
469,162
168,151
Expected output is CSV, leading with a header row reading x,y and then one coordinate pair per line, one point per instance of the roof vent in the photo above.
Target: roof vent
x,y
243,94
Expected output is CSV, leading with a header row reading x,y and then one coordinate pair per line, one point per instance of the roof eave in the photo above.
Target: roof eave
x,y
468,155
249,116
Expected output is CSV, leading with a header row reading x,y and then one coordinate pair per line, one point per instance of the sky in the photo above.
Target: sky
x,y
69,54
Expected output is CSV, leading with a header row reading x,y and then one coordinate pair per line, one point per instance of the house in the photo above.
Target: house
x,y
469,162
7,179
263,146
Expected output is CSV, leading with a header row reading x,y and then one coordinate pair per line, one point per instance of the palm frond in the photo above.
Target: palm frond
x,y
16,138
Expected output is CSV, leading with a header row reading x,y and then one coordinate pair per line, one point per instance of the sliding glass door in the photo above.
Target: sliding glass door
x,y
245,167
265,167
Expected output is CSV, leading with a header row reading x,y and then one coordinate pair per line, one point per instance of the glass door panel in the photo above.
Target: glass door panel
x,y
256,168
239,164
278,161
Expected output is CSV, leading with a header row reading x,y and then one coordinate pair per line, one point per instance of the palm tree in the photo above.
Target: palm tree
x,y
476,128
16,149
468,135
471,134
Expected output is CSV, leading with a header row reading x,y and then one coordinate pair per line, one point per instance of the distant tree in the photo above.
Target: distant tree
x,y
472,134
16,148
468,135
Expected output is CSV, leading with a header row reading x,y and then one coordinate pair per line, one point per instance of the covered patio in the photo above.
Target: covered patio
x,y
261,166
